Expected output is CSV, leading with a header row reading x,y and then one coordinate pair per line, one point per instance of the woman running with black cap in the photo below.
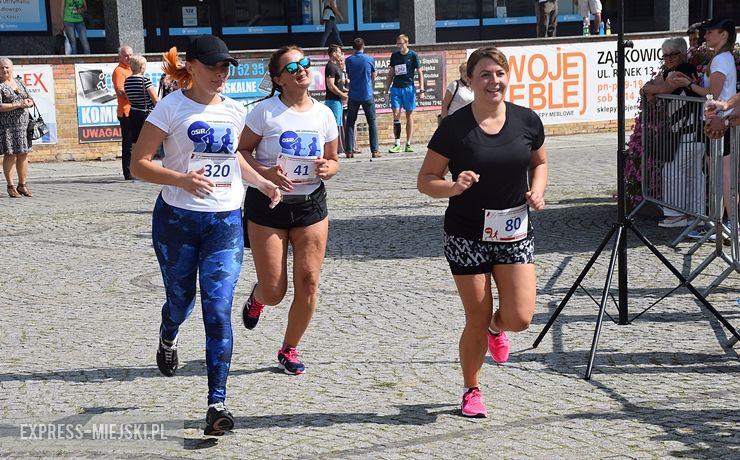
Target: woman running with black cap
x,y
197,224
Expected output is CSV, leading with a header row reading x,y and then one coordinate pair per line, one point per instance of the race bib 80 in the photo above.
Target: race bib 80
x,y
506,225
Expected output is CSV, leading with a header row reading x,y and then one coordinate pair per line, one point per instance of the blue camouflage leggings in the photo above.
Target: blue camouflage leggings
x,y
187,242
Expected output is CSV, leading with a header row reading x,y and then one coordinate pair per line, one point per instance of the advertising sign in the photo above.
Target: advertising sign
x,y
96,101
433,70
23,16
39,81
578,82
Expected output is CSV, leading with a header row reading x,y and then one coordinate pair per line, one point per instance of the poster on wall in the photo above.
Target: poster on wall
x,y
246,82
23,16
432,67
39,81
578,82
97,106
433,70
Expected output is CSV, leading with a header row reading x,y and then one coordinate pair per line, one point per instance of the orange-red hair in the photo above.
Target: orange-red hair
x,y
175,69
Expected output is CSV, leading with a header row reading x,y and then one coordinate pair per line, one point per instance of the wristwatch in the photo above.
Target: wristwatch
x,y
727,122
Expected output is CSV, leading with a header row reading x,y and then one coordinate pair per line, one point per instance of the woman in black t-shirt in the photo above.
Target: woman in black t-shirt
x,y
495,152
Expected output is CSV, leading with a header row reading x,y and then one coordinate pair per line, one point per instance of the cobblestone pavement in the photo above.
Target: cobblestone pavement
x,y
80,294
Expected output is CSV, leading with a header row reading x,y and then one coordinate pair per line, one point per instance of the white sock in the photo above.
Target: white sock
x,y
493,331
398,141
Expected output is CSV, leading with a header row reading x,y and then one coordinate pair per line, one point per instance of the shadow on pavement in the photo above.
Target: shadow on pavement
x,y
413,414
574,229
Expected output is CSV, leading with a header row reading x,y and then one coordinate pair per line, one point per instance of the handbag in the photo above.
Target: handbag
x,y
36,125
36,128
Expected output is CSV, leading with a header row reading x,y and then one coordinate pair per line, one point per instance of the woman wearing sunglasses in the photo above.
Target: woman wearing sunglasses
x,y
291,139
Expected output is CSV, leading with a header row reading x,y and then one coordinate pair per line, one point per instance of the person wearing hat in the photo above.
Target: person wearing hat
x,y
720,81
197,223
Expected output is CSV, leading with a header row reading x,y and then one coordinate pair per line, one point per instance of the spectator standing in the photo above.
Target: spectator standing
x,y
74,22
458,94
15,142
361,73
329,15
720,80
682,175
141,95
547,18
399,84
336,94
588,7
197,229
495,151
120,74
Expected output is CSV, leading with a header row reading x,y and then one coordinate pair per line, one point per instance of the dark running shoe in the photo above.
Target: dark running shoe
x,y
167,357
218,420
251,310
289,363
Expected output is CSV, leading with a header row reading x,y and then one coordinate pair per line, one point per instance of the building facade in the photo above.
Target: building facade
x,y
29,27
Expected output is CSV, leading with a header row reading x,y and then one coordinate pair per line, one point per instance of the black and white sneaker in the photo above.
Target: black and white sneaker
x,y
167,357
218,420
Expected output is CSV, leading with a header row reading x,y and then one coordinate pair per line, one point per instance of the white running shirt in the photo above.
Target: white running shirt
x,y
202,135
286,131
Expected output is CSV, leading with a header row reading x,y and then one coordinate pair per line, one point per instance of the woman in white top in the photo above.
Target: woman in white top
x,y
721,82
291,139
196,224
458,94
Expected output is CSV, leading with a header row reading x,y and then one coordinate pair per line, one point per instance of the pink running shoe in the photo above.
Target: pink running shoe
x,y
289,363
498,345
473,405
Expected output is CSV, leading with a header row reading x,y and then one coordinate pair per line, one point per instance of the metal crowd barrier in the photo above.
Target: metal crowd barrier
x,y
673,148
675,175
724,232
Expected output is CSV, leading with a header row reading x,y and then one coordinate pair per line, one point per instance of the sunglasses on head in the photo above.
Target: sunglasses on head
x,y
292,67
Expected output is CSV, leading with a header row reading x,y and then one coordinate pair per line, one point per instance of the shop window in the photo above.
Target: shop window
x,y
379,12
309,12
189,16
94,18
446,10
251,13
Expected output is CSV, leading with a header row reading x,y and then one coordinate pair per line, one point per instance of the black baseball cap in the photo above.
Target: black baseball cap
x,y
720,24
209,50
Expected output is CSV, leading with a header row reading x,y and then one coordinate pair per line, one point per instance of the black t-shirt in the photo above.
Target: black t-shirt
x,y
333,70
502,160
688,70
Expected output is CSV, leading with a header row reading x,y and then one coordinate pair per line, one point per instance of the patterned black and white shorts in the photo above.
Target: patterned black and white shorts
x,y
470,257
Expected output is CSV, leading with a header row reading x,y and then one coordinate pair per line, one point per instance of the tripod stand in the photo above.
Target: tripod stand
x,y
619,252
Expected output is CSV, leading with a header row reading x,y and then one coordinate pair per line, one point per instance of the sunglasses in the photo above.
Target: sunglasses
x,y
292,67
671,55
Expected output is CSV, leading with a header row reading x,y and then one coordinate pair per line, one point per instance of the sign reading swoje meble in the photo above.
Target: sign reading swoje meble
x,y
578,82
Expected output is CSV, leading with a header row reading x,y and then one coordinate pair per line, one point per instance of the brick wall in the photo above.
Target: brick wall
x,y
425,122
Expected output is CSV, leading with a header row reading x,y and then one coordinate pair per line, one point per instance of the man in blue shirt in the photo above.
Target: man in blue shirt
x,y
404,64
361,73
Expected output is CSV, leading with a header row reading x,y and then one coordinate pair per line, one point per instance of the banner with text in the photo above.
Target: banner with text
x,y
578,82
23,16
96,101
250,81
39,81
